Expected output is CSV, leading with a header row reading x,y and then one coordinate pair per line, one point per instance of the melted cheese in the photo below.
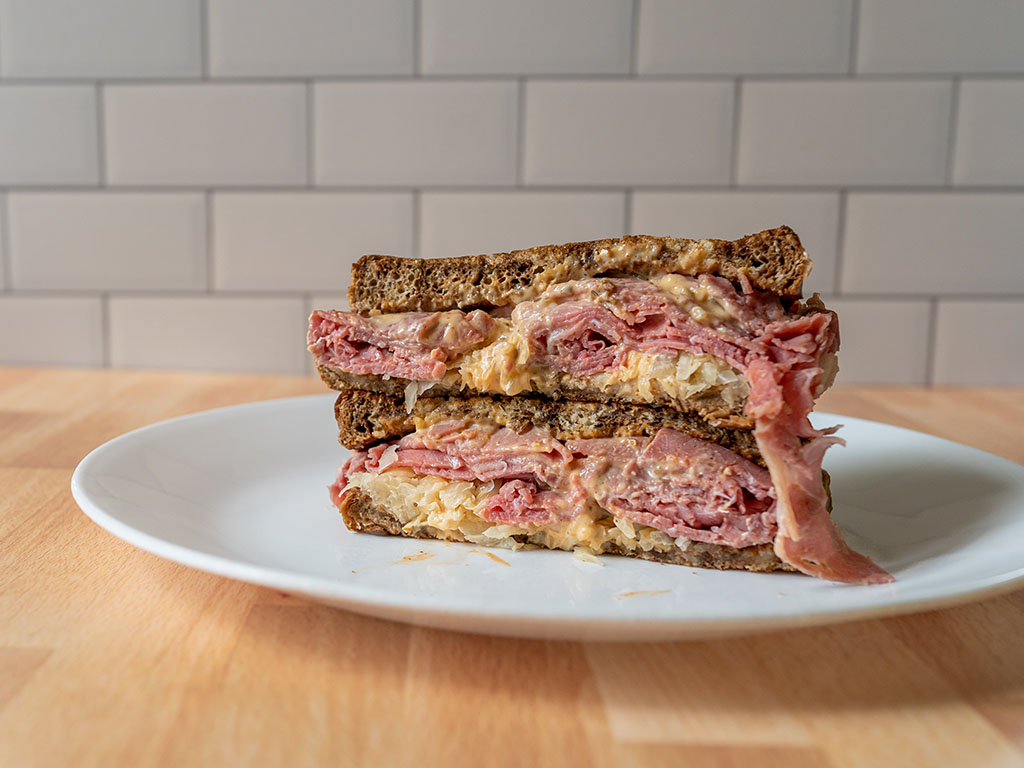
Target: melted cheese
x,y
452,506
503,366
693,297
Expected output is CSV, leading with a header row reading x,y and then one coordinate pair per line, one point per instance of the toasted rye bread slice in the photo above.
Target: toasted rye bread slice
x,y
363,515
366,418
711,407
772,260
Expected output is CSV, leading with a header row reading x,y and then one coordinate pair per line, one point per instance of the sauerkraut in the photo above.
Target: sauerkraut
x,y
504,367
452,506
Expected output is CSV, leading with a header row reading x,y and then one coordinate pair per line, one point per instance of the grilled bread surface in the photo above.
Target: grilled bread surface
x,y
367,418
772,260
710,406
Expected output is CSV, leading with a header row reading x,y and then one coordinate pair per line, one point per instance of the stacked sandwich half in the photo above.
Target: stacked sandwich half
x,y
641,396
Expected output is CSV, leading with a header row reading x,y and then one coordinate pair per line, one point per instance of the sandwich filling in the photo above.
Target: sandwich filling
x,y
475,476
638,340
424,503
642,340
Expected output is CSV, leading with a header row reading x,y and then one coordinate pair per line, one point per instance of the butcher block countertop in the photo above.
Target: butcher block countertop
x,y
110,656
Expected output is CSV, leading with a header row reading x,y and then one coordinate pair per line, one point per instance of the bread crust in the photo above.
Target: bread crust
x,y
710,407
363,515
367,418
772,260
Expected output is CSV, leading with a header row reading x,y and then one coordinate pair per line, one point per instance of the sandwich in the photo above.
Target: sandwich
x,y
641,396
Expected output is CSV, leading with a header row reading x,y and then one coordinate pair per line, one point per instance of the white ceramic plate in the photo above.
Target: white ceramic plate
x,y
241,492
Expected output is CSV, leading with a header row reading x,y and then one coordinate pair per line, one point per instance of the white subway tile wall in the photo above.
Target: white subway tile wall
x,y
100,38
739,37
307,38
615,132
990,133
959,357
48,135
940,36
834,132
79,340
933,243
218,333
3,244
303,241
460,223
205,134
526,37
415,132
100,241
171,168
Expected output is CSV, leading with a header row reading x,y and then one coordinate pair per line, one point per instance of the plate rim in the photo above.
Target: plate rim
x,y
443,611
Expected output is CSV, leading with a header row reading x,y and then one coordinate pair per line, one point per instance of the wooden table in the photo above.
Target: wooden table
x,y
112,657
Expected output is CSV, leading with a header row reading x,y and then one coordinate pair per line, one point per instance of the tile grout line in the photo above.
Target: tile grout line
x,y
734,160
506,77
837,282
417,205
520,131
854,36
310,136
938,189
417,38
208,215
204,39
106,342
954,118
634,38
932,340
307,303
101,137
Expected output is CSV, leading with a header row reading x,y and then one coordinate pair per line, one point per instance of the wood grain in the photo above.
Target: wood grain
x,y
110,656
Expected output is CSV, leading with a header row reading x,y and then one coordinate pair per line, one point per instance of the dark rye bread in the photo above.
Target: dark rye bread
x,y
363,515
772,260
366,418
710,407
